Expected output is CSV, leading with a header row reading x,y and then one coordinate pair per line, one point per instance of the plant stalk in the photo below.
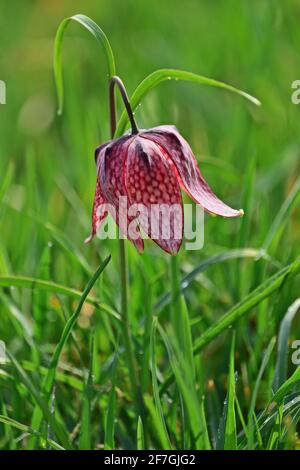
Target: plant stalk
x,y
176,318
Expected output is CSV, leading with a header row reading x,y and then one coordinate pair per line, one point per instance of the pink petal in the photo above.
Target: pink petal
x,y
98,215
150,181
110,171
188,173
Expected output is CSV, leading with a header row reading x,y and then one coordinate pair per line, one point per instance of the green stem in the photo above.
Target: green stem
x,y
115,80
125,319
175,299
129,351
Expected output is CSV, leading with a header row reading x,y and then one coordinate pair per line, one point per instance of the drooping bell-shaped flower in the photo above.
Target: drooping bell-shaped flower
x,y
150,168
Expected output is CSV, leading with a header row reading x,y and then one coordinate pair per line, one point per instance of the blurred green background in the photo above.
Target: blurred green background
x,y
249,155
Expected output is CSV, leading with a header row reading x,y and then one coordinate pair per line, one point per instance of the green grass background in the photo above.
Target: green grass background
x,y
221,393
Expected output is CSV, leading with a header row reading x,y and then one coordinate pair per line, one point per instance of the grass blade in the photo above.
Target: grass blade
x,y
33,283
42,404
24,428
263,291
282,216
188,392
85,440
227,255
109,441
251,411
7,429
180,317
6,181
282,348
285,387
68,328
163,428
140,440
49,379
230,440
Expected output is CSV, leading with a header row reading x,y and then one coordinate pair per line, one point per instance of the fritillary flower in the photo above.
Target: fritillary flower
x,y
151,167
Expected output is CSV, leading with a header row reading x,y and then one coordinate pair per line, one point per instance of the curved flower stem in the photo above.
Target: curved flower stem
x,y
122,251
113,121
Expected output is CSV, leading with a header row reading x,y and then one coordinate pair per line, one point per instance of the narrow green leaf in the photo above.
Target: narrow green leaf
x,y
265,361
69,327
66,244
8,431
230,439
187,389
251,411
176,317
63,377
284,396
156,427
241,417
282,216
140,440
24,428
206,440
99,35
109,440
6,180
213,260
286,387
164,433
85,439
180,317
276,431
258,433
33,283
262,292
155,78
49,379
145,376
42,404
39,297
247,202
186,338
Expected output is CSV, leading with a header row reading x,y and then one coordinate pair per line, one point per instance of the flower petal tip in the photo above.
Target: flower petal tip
x,y
241,212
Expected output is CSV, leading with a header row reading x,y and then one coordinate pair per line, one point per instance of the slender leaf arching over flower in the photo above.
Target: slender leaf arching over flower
x,y
150,167
147,167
